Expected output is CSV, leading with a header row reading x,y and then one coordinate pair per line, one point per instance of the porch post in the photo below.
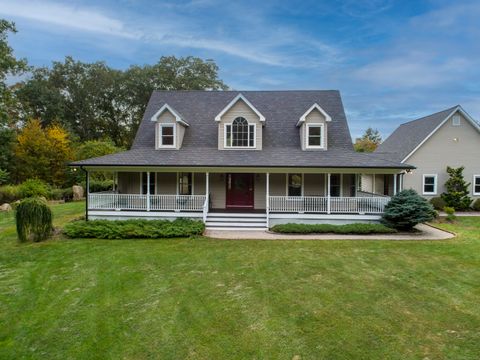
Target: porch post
x,y
148,191
373,183
207,184
395,184
87,190
328,193
267,197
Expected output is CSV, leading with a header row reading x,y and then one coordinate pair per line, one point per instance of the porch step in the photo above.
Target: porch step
x,y
236,221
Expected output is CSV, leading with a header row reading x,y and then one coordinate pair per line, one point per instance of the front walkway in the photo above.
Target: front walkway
x,y
427,233
462,213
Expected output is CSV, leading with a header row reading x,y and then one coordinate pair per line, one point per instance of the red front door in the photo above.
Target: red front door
x,y
239,191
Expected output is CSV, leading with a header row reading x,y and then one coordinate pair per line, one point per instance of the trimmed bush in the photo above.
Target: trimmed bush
x,y
9,193
34,188
407,209
134,229
357,228
56,194
68,194
34,220
438,203
450,211
99,185
476,205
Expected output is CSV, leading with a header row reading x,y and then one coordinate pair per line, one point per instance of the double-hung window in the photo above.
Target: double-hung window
x,y
315,139
185,183
429,184
240,134
167,135
476,184
294,186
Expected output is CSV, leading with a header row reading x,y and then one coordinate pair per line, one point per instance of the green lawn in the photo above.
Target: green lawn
x,y
212,299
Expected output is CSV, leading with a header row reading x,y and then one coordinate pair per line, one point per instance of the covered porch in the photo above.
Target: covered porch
x,y
298,193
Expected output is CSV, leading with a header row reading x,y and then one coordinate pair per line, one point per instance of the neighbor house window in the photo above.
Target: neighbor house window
x,y
315,136
456,120
240,133
294,184
430,184
185,183
167,135
145,183
476,184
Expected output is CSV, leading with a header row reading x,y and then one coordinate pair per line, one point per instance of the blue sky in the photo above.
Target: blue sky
x,y
393,61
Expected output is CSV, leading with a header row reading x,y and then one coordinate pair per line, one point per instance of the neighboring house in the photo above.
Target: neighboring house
x,y
447,138
246,159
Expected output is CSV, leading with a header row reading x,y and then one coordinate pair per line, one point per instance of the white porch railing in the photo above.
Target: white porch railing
x,y
320,204
112,201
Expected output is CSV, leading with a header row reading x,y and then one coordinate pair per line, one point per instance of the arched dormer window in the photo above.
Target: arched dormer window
x,y
239,134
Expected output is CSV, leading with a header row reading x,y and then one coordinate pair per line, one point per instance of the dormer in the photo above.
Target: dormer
x,y
313,125
240,126
169,128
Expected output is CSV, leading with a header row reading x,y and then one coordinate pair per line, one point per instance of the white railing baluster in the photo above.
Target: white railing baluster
x,y
112,201
319,204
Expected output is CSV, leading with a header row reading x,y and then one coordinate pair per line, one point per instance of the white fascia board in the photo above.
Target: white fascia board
x,y
234,101
457,108
167,107
313,107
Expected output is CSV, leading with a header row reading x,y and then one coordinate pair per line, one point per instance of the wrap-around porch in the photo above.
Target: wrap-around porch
x,y
184,194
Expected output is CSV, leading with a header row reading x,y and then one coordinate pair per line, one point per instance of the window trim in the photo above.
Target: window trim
x,y
322,137
473,185
160,136
435,187
302,185
225,146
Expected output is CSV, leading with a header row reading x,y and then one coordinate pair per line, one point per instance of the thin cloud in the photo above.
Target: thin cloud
x,y
281,51
67,16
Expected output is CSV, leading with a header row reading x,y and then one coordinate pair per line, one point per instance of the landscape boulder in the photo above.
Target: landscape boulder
x,y
77,192
5,207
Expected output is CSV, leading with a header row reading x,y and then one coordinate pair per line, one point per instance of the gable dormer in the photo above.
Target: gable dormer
x,y
169,128
240,126
313,125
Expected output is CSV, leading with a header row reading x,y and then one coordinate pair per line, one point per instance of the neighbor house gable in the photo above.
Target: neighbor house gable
x,y
457,110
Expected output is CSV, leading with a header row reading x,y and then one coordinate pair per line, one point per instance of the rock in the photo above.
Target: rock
x,y
5,207
77,192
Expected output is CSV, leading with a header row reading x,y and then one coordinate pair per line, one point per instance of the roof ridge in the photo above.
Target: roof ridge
x,y
433,114
246,91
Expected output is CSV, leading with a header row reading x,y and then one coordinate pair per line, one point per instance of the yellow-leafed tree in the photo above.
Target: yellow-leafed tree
x,y
43,153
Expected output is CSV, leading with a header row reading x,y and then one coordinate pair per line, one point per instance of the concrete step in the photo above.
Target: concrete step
x,y
234,215
238,219
236,224
236,228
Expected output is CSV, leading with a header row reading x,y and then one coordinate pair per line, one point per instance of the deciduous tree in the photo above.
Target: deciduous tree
x,y
369,141
43,153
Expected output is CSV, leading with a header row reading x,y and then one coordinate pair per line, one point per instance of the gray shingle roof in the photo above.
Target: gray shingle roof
x,y
409,135
281,140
